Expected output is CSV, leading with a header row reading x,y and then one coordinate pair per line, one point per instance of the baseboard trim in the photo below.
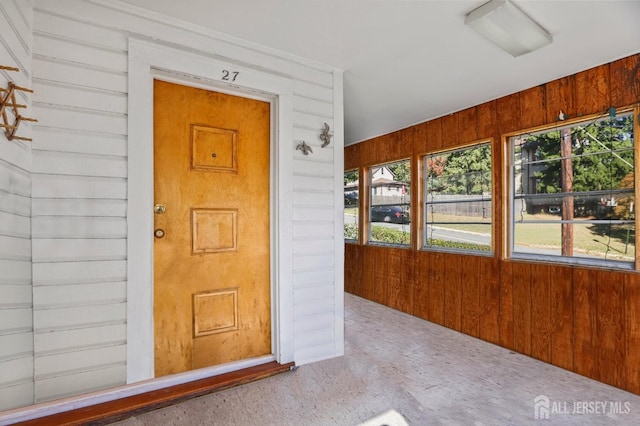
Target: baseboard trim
x,y
119,409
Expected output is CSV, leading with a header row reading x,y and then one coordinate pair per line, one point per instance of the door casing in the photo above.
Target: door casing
x,y
149,61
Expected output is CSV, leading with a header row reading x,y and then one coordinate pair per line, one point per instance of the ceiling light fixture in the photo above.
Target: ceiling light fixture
x,y
507,26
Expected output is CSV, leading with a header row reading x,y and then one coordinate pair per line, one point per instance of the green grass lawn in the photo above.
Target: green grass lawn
x,y
616,241
598,241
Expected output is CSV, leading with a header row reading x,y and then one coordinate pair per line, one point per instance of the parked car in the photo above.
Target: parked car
x,y
350,198
392,214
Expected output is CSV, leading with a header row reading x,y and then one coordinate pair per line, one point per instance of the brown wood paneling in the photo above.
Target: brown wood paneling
x,y
540,312
486,117
388,148
406,140
585,320
368,152
468,125
372,154
408,280
393,148
610,328
632,327
421,284
399,280
450,130
420,145
348,272
508,113
470,318
532,107
489,299
592,91
585,335
560,97
353,269
452,291
393,279
434,134
352,158
383,147
624,86
521,273
507,338
436,288
380,258
368,273
561,317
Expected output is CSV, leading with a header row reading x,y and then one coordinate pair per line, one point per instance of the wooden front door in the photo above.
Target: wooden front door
x,y
211,232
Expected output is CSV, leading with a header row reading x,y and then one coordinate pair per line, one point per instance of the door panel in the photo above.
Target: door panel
x,y
211,263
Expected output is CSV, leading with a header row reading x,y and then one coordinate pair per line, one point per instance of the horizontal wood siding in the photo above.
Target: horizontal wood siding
x,y
80,191
79,206
578,318
314,272
16,318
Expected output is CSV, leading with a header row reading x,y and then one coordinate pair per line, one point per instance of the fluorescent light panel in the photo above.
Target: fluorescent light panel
x,y
508,27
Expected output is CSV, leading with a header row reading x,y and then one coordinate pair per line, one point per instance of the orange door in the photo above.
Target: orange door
x,y
211,248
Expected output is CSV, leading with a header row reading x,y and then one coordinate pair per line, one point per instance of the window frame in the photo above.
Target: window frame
x,y
359,204
424,201
510,193
368,188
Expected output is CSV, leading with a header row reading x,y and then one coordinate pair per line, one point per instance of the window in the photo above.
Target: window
x,y
573,192
351,205
457,194
390,196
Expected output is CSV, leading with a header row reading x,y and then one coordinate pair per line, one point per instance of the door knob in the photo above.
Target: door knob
x,y
159,209
159,233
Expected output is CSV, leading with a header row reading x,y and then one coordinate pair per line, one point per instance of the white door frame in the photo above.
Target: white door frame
x,y
148,61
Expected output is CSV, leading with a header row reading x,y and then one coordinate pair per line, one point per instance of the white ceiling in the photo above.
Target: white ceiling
x,y
407,61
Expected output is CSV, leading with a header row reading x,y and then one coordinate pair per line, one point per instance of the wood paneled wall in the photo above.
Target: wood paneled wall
x,y
586,320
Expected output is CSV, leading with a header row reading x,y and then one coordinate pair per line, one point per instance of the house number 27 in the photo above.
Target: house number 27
x,y
230,75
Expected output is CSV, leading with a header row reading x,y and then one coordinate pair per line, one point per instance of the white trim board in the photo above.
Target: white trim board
x,y
147,61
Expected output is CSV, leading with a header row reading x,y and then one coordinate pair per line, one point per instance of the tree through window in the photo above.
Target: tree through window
x,y
573,191
458,199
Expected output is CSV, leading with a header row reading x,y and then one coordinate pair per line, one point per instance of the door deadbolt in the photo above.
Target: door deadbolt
x,y
159,209
159,233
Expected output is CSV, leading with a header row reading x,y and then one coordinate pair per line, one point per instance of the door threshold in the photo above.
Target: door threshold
x,y
120,409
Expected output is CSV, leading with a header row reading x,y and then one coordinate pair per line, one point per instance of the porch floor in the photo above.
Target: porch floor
x,y
427,373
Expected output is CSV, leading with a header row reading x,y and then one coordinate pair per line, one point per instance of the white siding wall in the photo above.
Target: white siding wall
x,y
16,324
80,190
79,205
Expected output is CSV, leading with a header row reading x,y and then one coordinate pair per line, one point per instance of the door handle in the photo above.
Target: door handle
x,y
159,209
158,233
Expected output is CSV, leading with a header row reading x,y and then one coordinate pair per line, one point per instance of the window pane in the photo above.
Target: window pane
x,y
574,191
458,199
390,197
351,205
